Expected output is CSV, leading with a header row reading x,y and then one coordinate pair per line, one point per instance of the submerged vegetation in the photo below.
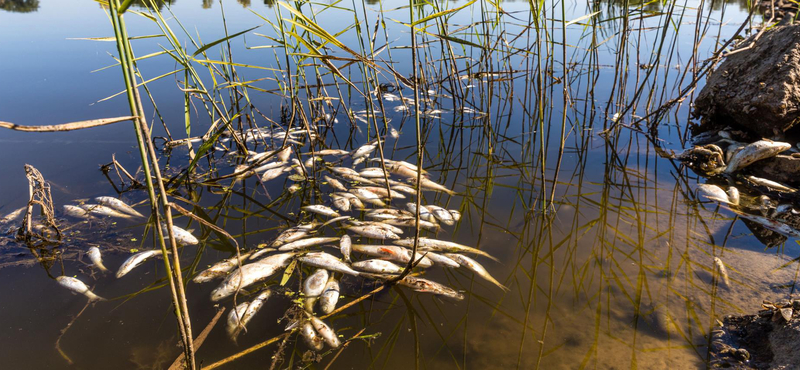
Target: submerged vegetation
x,y
475,184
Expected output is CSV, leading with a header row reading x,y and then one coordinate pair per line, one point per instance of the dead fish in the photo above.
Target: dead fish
x,y
441,214
733,195
305,243
387,213
260,253
475,267
250,274
378,266
336,184
770,224
771,184
393,253
283,154
354,201
427,244
341,202
455,214
382,192
722,271
78,286
713,192
310,337
429,184
754,152
221,268
394,133
345,246
368,196
427,286
378,224
373,231
135,260
182,237
440,260
321,210
786,313
327,261
292,234
15,214
270,166
424,212
96,258
101,210
329,297
315,283
337,152
241,314
344,171
294,188
411,222
372,172
118,205
335,219
274,173
325,331
364,151
75,211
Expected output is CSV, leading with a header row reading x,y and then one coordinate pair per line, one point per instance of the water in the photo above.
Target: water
x,y
615,272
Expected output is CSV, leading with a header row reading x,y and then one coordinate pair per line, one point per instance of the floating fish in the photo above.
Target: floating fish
x,y
325,331
387,213
427,286
475,267
441,214
771,184
393,253
336,184
250,274
242,313
755,152
78,286
428,184
310,337
436,245
424,212
713,192
135,260
345,246
96,258
182,237
722,271
118,205
374,232
341,202
327,261
321,210
101,210
294,233
315,283
75,211
329,296
368,196
378,266
15,214
440,260
411,222
305,243
221,268
382,192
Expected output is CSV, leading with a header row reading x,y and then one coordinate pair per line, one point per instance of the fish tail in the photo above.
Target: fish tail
x,y
487,255
101,267
95,297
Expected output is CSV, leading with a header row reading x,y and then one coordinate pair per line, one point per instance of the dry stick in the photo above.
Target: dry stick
x,y
247,351
119,167
66,126
342,349
176,365
64,331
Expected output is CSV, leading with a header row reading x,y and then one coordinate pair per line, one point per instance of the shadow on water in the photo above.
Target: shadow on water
x,y
553,124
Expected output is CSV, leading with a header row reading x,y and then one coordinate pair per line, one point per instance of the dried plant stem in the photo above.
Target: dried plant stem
x,y
66,126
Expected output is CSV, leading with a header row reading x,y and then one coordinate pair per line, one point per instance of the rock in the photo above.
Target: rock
x,y
756,89
780,168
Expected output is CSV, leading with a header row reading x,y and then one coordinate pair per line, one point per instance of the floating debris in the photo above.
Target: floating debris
x,y
78,286
96,258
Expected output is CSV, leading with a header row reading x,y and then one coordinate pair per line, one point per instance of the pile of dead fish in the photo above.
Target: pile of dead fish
x,y
728,165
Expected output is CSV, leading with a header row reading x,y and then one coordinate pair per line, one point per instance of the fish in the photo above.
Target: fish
x,y
78,286
283,154
274,173
424,212
270,166
345,246
771,184
337,152
354,201
378,266
327,261
455,214
221,268
368,196
411,222
440,260
75,211
441,214
475,267
294,188
329,297
182,237
15,214
328,335
364,151
310,336
135,260
118,205
722,271
101,210
335,219
336,184
713,192
260,253
343,171
382,192
96,258
242,313
250,274
427,286
387,213
374,232
733,195
393,253
315,283
429,184
372,172
402,170
755,152
427,244
341,202
305,243
321,210
293,233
